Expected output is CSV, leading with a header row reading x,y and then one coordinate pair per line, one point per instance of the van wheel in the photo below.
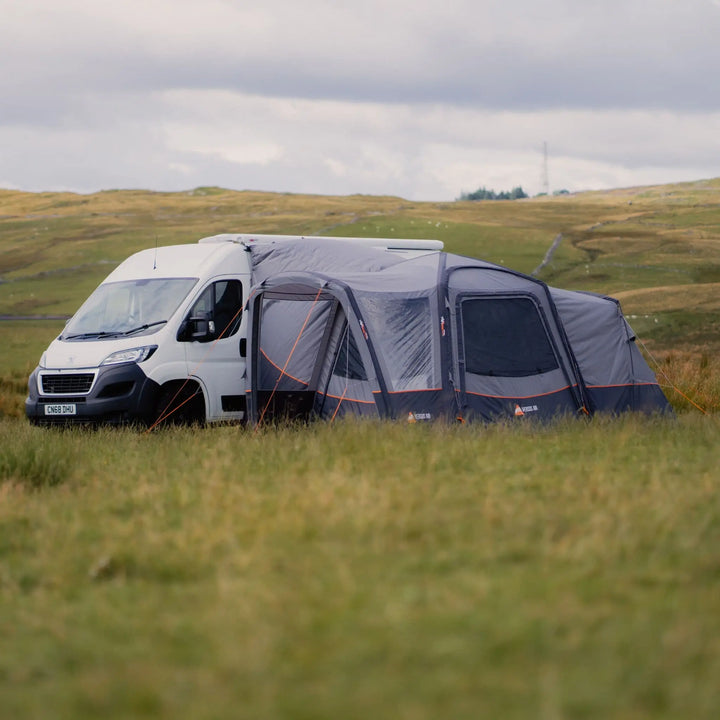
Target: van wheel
x,y
180,405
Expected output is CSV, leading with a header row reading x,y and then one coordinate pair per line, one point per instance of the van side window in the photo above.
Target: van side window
x,y
221,303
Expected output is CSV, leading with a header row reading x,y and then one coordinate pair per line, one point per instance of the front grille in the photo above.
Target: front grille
x,y
66,399
67,384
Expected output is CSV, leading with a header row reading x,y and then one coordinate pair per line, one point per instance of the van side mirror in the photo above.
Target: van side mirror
x,y
198,328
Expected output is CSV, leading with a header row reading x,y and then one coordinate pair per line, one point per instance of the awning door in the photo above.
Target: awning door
x,y
507,358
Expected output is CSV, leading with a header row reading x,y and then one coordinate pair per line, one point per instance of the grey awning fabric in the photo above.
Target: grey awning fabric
x,y
368,331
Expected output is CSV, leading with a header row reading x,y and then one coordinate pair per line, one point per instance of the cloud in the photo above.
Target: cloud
x,y
485,53
420,99
184,138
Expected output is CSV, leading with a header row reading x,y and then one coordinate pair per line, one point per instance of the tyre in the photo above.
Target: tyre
x,y
180,405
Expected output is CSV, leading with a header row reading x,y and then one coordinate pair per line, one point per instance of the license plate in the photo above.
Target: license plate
x,y
61,409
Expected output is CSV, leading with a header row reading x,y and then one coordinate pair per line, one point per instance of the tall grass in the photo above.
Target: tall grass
x,y
690,380
365,570
32,463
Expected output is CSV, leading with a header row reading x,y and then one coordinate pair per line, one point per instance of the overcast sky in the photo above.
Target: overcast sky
x,y
423,99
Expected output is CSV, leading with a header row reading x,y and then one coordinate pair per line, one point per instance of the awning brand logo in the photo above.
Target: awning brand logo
x,y
418,417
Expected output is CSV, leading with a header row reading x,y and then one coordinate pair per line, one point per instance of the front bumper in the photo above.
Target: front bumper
x,y
120,394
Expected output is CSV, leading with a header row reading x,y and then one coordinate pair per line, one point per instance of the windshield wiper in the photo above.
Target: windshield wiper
x,y
112,333
98,334
143,327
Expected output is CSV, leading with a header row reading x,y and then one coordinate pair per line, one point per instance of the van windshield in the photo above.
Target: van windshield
x,y
137,307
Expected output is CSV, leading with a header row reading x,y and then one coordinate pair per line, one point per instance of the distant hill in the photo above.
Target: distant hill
x,y
656,248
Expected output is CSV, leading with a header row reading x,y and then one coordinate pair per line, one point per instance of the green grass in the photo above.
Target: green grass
x,y
519,248
362,570
664,327
612,242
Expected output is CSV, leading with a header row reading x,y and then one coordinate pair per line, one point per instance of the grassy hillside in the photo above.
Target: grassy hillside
x,y
657,249
368,570
54,247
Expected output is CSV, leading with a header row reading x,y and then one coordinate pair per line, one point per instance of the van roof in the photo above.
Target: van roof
x,y
192,260
249,239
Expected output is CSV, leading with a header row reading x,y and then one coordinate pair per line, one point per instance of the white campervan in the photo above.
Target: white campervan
x,y
163,333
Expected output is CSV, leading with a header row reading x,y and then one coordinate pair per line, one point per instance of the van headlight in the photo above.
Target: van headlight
x,y
136,355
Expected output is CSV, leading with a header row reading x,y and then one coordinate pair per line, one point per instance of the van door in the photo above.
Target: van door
x,y
212,348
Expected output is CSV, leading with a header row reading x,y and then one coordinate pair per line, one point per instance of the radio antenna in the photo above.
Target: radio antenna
x,y
155,258
545,177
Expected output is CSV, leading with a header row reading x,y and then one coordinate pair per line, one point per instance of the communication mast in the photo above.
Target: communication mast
x,y
545,177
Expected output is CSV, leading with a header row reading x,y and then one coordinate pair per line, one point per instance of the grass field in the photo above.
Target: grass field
x,y
362,571
368,569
